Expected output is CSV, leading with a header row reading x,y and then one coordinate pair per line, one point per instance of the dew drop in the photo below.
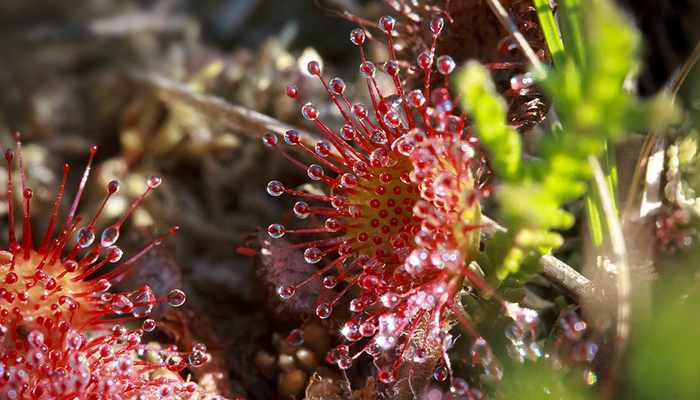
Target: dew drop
x,y
148,325
291,137
114,254
367,329
176,298
348,180
275,188
387,374
286,291
296,337
309,111
440,373
348,132
420,356
197,358
35,338
314,68
445,64
357,36
416,98
391,68
324,310
315,172
153,181
424,60
275,231
337,86
459,387
121,304
113,187
519,82
392,119
344,362
85,237
270,139
323,148
436,25
386,23
360,168
292,91
330,282
359,110
390,299
312,255
109,236
367,69
301,209
378,137
332,225
70,266
144,299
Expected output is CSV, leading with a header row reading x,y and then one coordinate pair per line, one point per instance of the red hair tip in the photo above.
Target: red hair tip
x,y
246,251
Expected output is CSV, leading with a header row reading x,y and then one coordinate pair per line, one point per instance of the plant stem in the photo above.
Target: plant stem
x,y
551,33
572,30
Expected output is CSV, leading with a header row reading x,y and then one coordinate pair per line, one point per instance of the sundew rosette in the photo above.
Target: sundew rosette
x,y
401,217
62,333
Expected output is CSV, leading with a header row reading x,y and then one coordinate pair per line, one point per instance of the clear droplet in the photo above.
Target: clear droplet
x,y
197,358
330,282
148,325
301,209
296,337
357,36
324,310
286,291
121,304
143,300
312,255
176,298
309,111
153,181
114,254
387,374
445,64
85,237
315,172
275,188
348,180
386,23
109,236
368,69
275,231
440,373
337,86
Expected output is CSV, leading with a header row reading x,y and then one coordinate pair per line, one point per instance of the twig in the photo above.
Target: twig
x,y
555,271
565,278
235,117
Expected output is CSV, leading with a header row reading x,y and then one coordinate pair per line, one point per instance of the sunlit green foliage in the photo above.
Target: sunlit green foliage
x,y
592,106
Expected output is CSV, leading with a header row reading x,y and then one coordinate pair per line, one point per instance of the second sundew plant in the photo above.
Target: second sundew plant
x,y
405,188
401,244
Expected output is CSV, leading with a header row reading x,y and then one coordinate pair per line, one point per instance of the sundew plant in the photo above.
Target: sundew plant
x,y
481,199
